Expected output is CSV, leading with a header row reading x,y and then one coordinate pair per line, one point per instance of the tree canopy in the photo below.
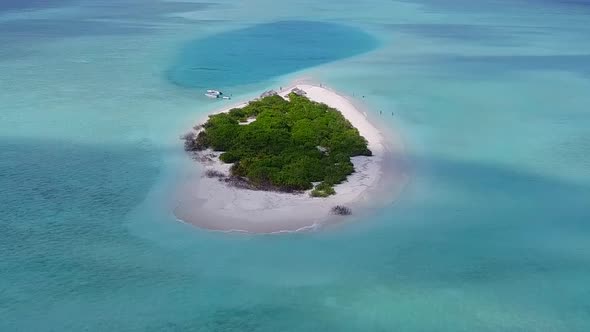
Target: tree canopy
x,y
290,145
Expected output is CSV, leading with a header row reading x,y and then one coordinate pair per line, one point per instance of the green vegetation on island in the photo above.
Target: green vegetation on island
x,y
290,145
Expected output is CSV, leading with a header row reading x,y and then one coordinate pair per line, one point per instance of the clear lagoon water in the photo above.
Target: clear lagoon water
x,y
491,234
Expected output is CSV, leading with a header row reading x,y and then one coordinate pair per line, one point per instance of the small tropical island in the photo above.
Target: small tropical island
x,y
282,144
287,161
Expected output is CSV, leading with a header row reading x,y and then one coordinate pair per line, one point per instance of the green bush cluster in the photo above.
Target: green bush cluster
x,y
323,189
290,145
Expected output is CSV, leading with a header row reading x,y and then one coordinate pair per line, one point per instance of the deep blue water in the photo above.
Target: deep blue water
x,y
264,51
24,4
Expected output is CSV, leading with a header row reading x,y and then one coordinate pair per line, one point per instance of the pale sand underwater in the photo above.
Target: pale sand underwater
x,y
491,233
212,204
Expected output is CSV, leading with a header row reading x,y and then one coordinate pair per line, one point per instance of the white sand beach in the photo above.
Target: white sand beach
x,y
212,204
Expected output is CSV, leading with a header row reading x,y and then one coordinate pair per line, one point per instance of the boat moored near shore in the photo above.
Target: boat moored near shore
x,y
216,94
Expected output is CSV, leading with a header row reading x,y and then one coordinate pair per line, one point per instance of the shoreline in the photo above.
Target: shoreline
x,y
211,204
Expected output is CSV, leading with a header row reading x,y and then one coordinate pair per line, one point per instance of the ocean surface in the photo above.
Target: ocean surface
x,y
491,98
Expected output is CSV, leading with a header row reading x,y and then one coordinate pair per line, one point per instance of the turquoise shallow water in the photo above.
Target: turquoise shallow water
x,y
491,234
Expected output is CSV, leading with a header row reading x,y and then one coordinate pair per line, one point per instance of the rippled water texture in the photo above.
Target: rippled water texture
x,y
491,234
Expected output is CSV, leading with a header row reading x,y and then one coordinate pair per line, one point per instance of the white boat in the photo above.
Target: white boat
x,y
216,94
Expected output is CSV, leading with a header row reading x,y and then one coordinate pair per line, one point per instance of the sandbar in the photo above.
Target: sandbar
x,y
212,204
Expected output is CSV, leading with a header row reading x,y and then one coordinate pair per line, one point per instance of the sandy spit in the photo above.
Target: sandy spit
x,y
212,204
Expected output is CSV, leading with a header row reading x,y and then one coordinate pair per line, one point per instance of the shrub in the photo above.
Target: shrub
x,y
189,141
201,142
211,173
341,210
323,190
229,157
